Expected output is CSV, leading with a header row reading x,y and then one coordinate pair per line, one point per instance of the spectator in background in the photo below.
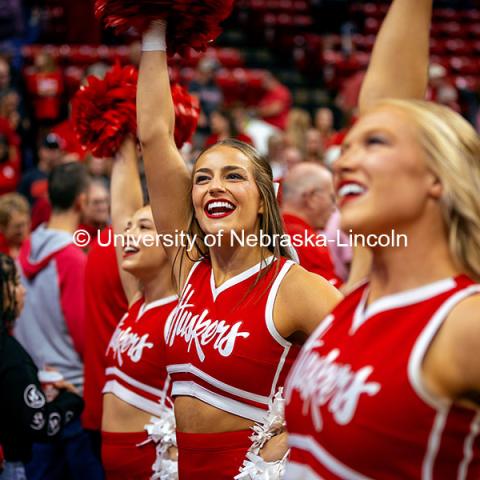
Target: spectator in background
x,y
339,246
205,87
5,76
276,146
291,157
258,130
45,85
324,123
308,202
14,223
34,184
97,210
440,89
275,103
223,126
25,414
11,111
298,123
313,146
105,304
9,158
100,168
347,99
52,325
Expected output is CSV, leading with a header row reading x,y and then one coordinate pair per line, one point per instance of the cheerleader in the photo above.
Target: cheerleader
x,y
137,385
244,308
388,386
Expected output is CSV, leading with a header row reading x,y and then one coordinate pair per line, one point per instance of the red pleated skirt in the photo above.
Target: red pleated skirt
x,y
212,456
123,459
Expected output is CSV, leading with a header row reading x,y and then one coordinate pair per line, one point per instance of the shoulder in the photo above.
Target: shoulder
x,y
73,255
463,328
453,361
304,298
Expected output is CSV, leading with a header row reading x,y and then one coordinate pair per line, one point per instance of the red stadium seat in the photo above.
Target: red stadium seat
x,y
438,46
473,30
458,47
464,65
446,15
372,25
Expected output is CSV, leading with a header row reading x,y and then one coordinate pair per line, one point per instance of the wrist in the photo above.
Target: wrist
x,y
154,39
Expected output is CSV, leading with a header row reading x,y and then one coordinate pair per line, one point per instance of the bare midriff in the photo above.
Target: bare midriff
x,y
194,416
121,417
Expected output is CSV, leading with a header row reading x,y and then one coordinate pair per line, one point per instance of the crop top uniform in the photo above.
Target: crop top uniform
x,y
135,370
356,404
222,346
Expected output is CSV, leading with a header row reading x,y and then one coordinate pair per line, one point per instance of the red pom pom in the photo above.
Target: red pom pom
x,y
103,111
190,23
187,111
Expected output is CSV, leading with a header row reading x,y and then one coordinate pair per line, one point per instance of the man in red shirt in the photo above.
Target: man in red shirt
x,y
105,305
276,102
308,202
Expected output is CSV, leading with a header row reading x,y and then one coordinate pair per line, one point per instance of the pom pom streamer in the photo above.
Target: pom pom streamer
x,y
104,111
190,23
254,467
187,111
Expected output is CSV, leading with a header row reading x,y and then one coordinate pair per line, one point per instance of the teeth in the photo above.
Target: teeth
x,y
213,205
351,189
130,250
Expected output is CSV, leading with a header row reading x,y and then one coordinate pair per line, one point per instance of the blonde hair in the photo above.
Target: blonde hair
x,y
298,123
452,149
12,202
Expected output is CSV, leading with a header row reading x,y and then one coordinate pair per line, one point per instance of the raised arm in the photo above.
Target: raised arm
x,y
127,198
168,178
399,63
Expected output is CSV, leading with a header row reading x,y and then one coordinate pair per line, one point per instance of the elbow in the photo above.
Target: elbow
x,y
151,132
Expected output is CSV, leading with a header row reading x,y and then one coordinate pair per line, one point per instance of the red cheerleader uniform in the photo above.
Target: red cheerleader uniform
x,y
357,407
223,348
136,374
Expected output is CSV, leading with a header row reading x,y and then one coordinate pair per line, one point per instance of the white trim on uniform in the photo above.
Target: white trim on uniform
x,y
397,300
191,369
192,389
280,365
297,471
468,448
414,371
132,398
134,383
423,343
434,441
271,327
272,295
237,278
309,444
156,303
